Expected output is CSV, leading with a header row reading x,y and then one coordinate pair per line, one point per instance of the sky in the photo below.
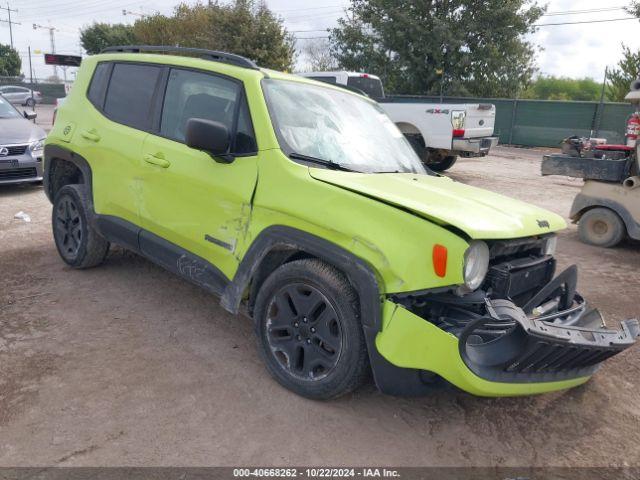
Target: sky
x,y
575,51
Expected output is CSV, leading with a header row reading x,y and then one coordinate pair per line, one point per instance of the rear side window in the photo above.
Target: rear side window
x,y
130,94
192,94
325,79
370,86
99,85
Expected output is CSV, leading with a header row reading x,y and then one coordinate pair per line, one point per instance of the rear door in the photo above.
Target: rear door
x,y
189,199
111,136
12,94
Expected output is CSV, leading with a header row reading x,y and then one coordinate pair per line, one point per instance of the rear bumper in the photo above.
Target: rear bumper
x,y
474,146
552,351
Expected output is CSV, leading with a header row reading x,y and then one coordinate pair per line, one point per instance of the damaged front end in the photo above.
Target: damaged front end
x,y
521,332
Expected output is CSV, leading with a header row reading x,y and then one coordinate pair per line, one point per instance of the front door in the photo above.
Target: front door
x,y
189,199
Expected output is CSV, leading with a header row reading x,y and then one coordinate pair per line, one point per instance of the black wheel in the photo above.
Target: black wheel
x,y
601,227
30,102
444,163
77,242
309,333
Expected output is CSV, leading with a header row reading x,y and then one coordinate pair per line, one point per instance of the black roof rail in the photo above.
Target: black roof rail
x,y
203,53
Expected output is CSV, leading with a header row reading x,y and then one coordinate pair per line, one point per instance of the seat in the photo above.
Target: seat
x,y
202,105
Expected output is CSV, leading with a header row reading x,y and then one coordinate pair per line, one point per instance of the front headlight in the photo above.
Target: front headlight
x,y
37,147
476,264
549,245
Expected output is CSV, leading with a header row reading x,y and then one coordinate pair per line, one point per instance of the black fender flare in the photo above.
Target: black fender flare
x,y
389,378
52,152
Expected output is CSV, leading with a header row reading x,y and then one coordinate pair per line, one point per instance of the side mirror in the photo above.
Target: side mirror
x,y
29,115
208,135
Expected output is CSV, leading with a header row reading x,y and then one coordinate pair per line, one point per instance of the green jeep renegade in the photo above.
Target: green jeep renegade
x,y
303,203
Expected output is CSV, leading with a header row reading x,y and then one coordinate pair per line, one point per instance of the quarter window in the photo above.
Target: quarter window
x,y
99,84
130,94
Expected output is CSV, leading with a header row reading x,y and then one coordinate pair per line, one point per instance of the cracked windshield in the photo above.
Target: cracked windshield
x,y
338,127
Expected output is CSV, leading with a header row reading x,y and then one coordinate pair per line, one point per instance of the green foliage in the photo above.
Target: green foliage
x,y
562,88
98,36
620,78
243,27
479,45
10,62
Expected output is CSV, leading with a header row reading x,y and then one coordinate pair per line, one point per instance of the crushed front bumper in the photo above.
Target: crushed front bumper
x,y
558,343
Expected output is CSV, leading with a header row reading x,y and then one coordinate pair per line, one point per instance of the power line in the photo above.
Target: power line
x,y
11,23
585,21
578,12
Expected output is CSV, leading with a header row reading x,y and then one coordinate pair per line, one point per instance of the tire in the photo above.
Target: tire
x,y
78,243
417,143
601,227
441,165
30,102
309,332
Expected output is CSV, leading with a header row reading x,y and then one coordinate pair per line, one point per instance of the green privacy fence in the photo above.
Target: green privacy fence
x,y
545,123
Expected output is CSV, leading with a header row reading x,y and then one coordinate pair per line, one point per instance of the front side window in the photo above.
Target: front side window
x,y
130,94
197,95
337,126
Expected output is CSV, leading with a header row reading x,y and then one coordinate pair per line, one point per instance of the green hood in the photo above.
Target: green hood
x,y
479,213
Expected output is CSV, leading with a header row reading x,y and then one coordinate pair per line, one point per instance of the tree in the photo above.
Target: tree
x,y
318,57
10,62
243,27
562,88
473,47
620,78
99,36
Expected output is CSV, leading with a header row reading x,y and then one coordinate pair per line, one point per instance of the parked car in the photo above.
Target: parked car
x,y
438,132
307,204
21,95
21,145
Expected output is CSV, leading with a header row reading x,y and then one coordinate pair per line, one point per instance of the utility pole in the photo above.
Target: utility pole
x,y
33,103
9,10
52,39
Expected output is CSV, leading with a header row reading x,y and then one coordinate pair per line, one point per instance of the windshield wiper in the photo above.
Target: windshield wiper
x,y
320,161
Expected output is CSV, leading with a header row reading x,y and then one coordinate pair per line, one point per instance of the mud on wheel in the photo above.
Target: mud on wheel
x,y
78,243
309,332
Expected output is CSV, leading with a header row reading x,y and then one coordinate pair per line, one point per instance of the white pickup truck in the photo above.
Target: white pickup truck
x,y
438,132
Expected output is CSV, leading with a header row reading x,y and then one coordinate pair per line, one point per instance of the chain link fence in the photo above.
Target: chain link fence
x,y
545,123
51,89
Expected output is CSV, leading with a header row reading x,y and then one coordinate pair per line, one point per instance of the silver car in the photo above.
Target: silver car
x,y
21,95
21,146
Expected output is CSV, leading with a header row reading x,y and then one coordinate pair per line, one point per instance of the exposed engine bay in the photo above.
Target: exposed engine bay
x,y
522,324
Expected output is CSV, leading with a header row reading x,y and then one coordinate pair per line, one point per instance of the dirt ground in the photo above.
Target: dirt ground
x,y
127,364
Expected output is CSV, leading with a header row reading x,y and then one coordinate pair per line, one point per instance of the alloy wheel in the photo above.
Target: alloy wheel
x,y
304,332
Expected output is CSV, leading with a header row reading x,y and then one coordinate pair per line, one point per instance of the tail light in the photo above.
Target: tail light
x,y
457,122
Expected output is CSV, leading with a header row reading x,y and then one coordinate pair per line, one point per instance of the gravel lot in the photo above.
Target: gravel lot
x,y
128,365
